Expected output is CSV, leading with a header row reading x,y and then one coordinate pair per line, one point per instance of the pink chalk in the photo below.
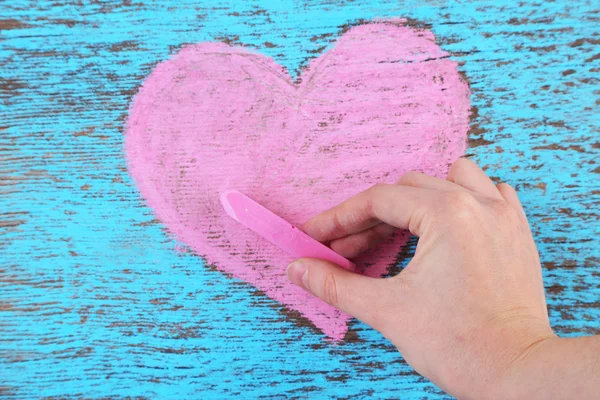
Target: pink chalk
x,y
384,100
276,230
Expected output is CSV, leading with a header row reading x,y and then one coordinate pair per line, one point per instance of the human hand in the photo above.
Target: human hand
x,y
469,309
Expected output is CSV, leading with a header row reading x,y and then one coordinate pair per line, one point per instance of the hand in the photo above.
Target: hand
x,y
469,310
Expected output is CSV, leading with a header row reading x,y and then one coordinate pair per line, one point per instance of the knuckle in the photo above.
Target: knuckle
x,y
456,165
409,178
503,210
330,291
338,228
462,206
372,193
461,162
504,187
510,196
460,200
378,187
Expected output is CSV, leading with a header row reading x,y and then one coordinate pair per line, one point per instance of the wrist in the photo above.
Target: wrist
x,y
554,368
500,361
521,378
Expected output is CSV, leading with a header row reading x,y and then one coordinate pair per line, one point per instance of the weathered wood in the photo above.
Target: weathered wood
x,y
97,300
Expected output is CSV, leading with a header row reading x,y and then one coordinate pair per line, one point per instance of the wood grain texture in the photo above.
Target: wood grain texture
x,y
97,300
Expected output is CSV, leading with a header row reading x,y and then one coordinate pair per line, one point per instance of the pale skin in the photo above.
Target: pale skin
x,y
469,311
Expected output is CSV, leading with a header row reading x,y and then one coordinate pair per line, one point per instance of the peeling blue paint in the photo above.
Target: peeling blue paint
x,y
95,299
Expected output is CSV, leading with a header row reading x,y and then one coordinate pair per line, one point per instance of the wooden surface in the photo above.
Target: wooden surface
x,y
97,300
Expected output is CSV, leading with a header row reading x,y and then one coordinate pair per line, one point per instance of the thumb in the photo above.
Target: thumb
x,y
368,299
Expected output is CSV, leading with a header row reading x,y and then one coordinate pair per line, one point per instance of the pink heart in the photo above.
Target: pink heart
x,y
383,101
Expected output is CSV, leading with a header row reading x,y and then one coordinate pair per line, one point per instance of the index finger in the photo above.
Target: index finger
x,y
404,207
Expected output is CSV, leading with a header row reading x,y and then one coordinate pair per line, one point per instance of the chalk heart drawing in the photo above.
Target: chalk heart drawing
x,y
384,100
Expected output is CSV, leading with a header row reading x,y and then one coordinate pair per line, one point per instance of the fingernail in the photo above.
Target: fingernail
x,y
296,272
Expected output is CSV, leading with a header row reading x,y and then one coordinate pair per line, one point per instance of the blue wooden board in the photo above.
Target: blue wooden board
x,y
97,300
